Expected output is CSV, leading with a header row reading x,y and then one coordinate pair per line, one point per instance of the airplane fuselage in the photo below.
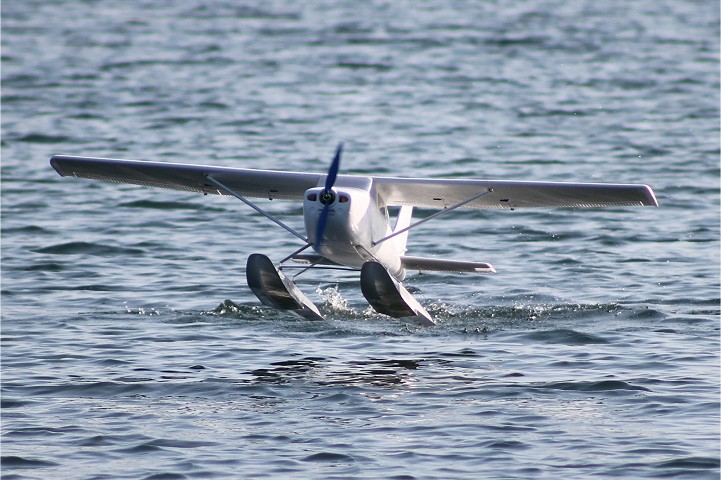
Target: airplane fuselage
x,y
355,220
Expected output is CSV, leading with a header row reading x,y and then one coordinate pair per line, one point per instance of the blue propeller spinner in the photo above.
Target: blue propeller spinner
x,y
327,196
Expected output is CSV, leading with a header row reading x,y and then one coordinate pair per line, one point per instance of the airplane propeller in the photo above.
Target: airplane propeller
x,y
327,196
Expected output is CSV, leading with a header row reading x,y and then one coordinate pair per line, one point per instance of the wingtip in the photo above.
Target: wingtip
x,y
55,163
485,268
652,200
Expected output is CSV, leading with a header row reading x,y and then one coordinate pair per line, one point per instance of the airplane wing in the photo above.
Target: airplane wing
x,y
395,191
192,178
444,193
440,265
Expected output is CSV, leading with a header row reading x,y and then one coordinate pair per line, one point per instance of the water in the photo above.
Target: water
x,y
592,353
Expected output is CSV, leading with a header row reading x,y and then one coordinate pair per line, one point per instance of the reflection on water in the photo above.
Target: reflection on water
x,y
324,372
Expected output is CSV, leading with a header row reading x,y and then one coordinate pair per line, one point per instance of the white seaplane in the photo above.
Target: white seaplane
x,y
346,218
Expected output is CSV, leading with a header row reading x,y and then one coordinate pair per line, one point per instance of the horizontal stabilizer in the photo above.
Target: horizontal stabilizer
x,y
440,265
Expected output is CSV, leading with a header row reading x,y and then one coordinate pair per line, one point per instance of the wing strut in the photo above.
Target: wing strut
x,y
431,217
258,209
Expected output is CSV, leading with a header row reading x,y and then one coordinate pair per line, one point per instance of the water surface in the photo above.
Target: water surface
x,y
133,349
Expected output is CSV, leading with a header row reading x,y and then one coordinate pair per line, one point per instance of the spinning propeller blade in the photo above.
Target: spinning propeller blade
x,y
327,196
334,166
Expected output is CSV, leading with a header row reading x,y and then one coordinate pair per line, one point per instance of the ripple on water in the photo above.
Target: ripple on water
x,y
88,248
157,205
568,337
22,463
591,386
329,457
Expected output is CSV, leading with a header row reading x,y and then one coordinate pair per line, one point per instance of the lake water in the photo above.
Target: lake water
x,y
592,353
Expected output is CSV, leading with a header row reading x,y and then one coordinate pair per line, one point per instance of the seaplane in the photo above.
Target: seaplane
x,y
347,220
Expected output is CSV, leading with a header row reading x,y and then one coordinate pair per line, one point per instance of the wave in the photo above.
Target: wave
x,y
44,138
553,323
87,248
155,205
14,461
590,386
